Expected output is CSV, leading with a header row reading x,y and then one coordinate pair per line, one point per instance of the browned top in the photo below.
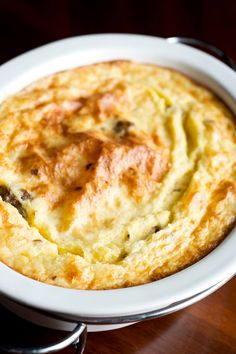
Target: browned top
x,y
114,174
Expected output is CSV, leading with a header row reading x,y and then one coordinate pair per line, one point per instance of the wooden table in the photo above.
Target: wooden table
x,y
207,327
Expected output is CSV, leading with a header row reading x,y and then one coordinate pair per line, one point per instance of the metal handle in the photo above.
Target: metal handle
x,y
202,44
77,339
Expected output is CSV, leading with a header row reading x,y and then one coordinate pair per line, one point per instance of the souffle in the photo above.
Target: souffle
x,y
113,175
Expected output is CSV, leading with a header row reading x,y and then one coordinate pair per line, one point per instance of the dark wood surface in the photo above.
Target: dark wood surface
x,y
26,24
207,327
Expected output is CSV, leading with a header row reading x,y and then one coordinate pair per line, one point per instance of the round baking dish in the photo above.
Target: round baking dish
x,y
120,306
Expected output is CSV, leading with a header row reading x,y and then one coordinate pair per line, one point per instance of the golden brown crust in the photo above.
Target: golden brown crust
x,y
114,174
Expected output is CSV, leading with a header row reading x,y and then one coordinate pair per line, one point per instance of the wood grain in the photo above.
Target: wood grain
x,y
207,327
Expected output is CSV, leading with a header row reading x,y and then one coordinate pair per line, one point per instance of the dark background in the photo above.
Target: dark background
x,y
26,24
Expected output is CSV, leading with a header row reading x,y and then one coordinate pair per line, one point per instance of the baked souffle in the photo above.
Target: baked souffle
x,y
114,174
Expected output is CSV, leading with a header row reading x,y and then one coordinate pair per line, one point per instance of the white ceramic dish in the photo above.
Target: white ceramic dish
x,y
194,282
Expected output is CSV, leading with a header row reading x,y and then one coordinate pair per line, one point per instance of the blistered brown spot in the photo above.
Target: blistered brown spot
x,y
122,127
25,195
34,172
78,188
89,166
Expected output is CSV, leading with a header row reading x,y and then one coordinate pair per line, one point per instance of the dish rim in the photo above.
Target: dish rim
x,y
213,268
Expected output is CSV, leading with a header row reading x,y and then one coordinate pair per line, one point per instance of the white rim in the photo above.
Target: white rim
x,y
219,264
